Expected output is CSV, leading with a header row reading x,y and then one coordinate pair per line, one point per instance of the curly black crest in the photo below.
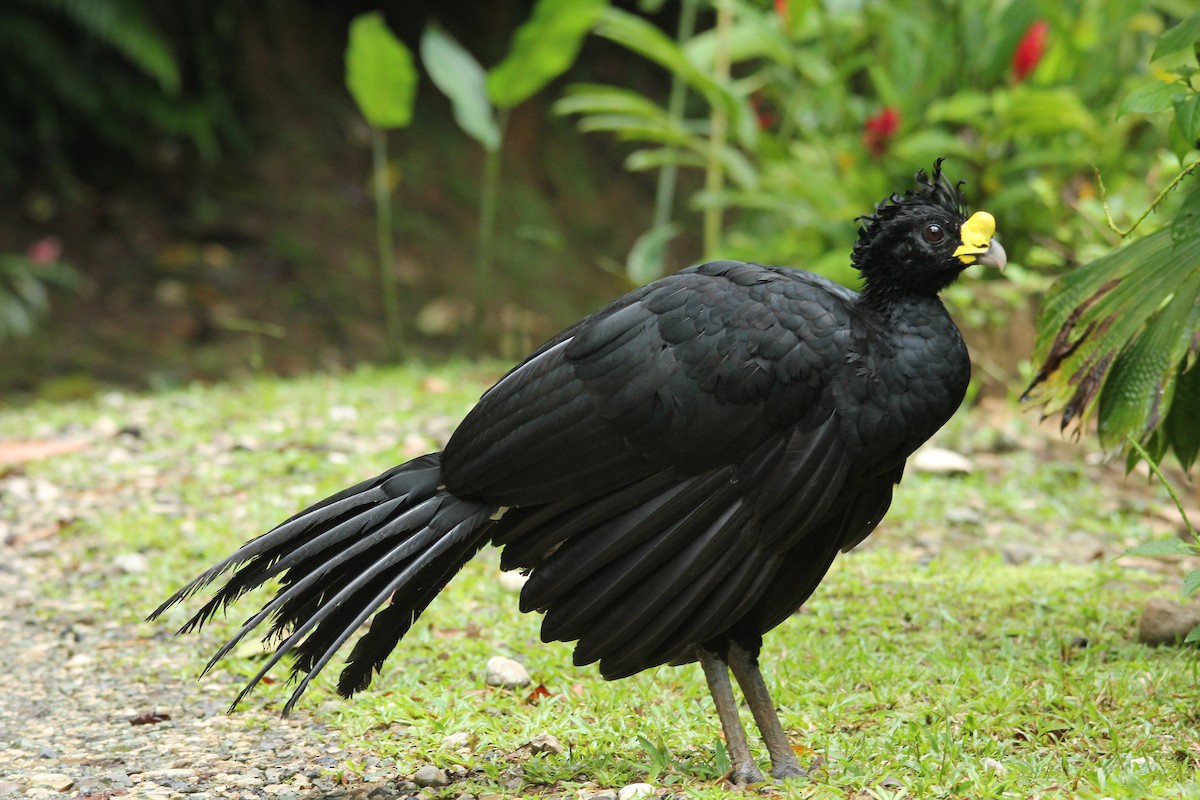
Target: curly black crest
x,y
937,190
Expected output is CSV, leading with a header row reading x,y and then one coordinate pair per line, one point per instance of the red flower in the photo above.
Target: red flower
x,y
879,130
781,10
765,116
1030,49
45,250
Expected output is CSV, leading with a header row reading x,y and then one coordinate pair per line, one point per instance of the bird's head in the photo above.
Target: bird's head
x,y
919,242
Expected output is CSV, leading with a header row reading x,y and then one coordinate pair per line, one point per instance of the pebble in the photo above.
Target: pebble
x,y
941,461
1165,621
131,563
545,743
635,790
430,775
456,740
998,769
506,673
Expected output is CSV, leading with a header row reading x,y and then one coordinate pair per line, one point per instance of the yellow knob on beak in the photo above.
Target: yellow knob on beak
x,y
978,246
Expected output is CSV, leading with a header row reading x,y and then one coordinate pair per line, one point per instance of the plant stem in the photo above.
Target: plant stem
x,y
714,177
383,236
664,195
1157,200
485,255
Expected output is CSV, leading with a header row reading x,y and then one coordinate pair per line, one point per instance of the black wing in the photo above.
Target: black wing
x,y
692,372
678,460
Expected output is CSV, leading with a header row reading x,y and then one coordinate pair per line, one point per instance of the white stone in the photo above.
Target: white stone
x,y
634,790
505,672
456,740
131,563
940,461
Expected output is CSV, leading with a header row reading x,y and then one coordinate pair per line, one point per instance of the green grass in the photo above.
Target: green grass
x,y
925,665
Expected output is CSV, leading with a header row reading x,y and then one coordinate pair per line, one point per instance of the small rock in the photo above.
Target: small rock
x,y
54,781
430,775
10,787
1165,621
507,673
545,743
998,769
131,563
1017,553
940,461
604,794
456,740
635,790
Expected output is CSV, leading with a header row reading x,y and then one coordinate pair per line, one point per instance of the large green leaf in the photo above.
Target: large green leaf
x,y
648,41
1119,329
1151,98
542,49
589,98
380,72
1178,38
460,77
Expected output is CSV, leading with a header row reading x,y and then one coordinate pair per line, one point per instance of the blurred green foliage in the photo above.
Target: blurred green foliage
x,y
1120,338
86,79
831,106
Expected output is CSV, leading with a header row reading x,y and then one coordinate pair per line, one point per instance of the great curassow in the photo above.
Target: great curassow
x,y
676,472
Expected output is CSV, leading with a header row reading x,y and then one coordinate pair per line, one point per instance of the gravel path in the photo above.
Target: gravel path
x,y
95,708
72,725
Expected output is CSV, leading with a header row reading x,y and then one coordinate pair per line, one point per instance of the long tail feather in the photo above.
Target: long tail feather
x,y
398,537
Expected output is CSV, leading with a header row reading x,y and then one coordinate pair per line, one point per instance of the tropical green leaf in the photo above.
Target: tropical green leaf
x,y
636,128
754,35
648,159
1182,425
1186,224
1191,582
648,41
1162,547
1194,636
1138,391
460,77
380,72
1130,314
543,48
1187,117
587,98
645,261
1150,98
1180,37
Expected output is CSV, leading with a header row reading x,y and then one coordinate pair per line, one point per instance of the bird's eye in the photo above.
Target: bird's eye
x,y
934,234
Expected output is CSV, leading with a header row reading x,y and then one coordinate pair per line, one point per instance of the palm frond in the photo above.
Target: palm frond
x,y
1119,339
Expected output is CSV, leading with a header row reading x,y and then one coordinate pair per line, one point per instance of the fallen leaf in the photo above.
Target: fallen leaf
x,y
153,718
537,694
22,452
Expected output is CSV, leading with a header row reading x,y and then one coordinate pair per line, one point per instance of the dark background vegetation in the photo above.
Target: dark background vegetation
x,y
203,173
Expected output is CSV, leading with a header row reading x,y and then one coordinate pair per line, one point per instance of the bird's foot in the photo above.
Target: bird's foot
x,y
745,775
792,769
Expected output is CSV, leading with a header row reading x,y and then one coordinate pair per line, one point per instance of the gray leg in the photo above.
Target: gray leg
x,y
716,671
784,763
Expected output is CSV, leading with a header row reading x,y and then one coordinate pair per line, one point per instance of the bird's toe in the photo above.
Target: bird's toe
x,y
746,775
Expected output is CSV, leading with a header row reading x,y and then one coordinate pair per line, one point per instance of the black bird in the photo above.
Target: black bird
x,y
676,472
